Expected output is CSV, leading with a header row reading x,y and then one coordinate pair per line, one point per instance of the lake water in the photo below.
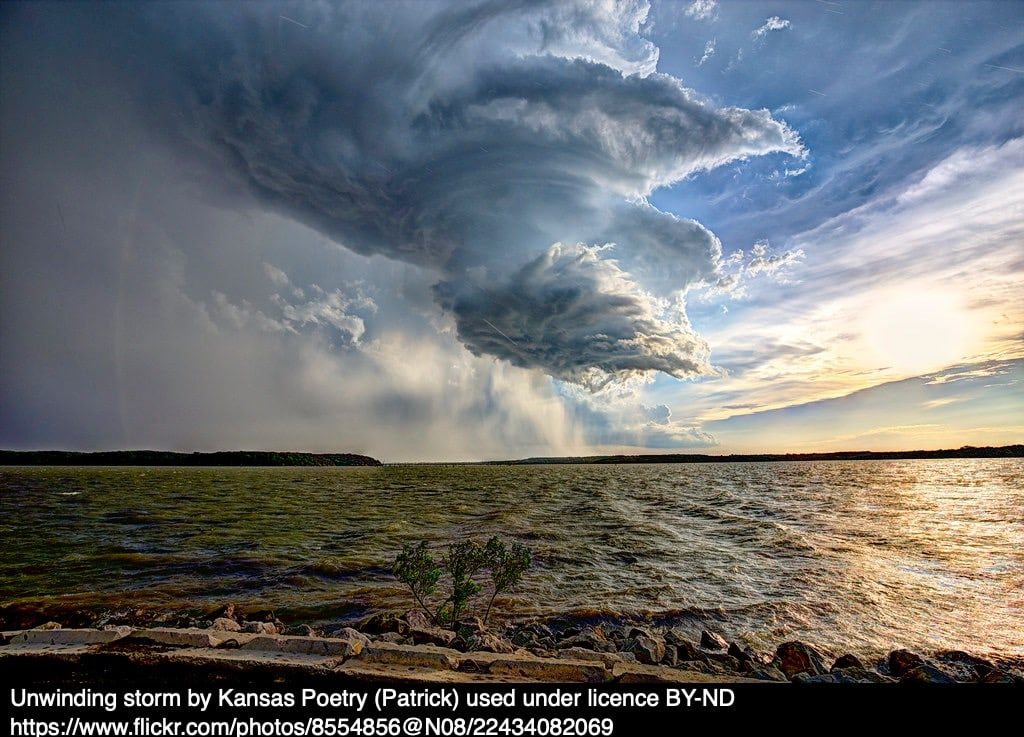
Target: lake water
x,y
859,555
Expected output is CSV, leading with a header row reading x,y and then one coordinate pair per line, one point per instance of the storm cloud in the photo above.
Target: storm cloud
x,y
418,230
467,142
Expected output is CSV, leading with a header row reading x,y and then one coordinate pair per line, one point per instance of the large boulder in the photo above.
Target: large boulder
x,y
631,633
647,649
847,661
747,658
901,661
713,641
592,638
687,651
348,633
797,657
431,636
417,619
474,624
223,624
489,642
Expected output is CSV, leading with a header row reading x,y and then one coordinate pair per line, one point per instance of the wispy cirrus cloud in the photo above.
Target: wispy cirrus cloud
x,y
702,9
775,23
709,51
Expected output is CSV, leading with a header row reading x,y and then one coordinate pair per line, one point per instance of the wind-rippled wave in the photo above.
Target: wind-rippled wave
x,y
861,556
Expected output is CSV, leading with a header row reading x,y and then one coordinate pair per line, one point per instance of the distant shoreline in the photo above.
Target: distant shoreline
x,y
241,458
1004,451
167,458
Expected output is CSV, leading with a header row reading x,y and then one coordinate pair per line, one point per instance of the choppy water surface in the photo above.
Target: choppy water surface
x,y
862,555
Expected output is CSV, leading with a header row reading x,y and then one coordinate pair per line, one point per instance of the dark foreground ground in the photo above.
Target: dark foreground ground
x,y
386,646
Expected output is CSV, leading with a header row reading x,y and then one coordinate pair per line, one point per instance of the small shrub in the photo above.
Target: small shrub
x,y
418,570
507,565
463,563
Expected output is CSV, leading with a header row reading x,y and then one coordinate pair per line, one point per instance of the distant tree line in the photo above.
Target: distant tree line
x,y
167,458
967,451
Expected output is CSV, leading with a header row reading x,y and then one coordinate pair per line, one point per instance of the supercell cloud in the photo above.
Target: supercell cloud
x,y
507,148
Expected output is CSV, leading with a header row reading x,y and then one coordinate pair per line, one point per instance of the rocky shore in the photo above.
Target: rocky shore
x,y
386,646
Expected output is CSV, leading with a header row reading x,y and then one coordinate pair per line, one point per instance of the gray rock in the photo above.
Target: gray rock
x,y
648,650
797,657
591,639
635,632
431,636
48,626
223,624
822,678
687,651
747,658
609,659
674,637
489,642
227,611
726,661
69,636
383,622
768,673
714,667
417,620
348,633
393,637
260,628
925,674
532,635
854,674
843,675
304,645
713,641
471,624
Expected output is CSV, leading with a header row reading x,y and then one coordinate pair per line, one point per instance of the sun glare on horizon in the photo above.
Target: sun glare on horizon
x,y
918,330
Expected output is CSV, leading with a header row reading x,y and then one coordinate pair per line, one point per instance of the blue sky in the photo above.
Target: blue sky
x,y
433,231
881,94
